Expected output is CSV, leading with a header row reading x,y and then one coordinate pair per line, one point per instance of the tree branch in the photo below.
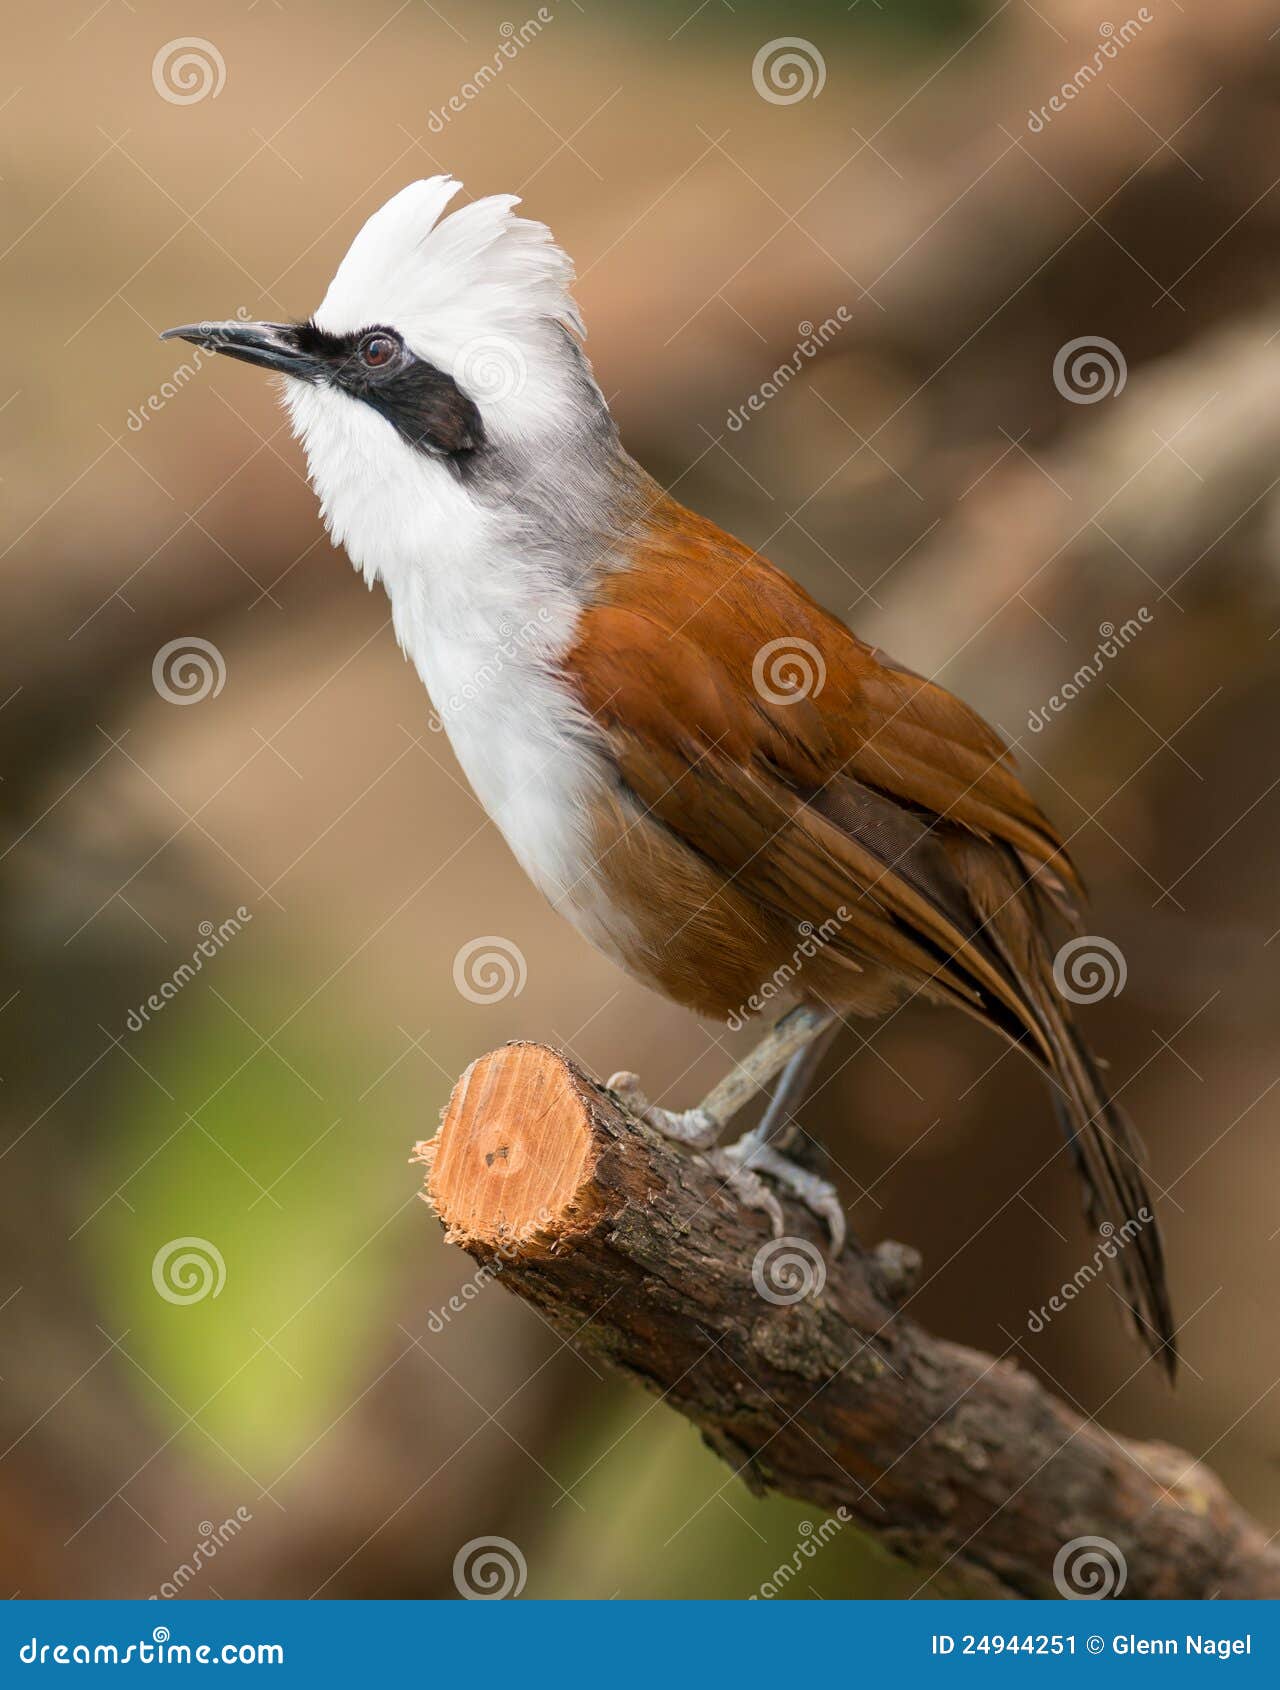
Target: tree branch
x,y
803,1375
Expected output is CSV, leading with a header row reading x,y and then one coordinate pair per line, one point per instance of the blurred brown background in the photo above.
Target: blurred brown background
x,y
924,474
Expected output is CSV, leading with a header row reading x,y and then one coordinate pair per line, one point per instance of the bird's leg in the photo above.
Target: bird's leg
x,y
777,1124
699,1128
756,1152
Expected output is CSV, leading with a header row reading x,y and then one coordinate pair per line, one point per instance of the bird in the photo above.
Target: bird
x,y
711,776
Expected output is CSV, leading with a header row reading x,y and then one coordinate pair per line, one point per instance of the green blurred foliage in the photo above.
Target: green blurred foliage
x,y
885,18
296,1187
681,1524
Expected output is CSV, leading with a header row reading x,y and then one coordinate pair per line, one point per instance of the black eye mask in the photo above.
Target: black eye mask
x,y
425,406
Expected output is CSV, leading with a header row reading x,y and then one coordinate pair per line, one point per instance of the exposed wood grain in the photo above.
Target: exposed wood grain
x,y
962,1464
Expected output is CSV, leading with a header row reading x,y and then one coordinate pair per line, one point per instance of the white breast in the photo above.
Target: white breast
x,y
485,622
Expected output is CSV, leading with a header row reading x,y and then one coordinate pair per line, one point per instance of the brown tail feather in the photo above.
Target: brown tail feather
x,y
1104,1146
1108,1157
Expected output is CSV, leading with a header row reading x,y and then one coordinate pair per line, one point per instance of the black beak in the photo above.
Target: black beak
x,y
272,345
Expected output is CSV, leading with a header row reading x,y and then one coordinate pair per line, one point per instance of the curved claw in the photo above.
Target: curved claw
x,y
747,1186
818,1195
693,1127
741,1164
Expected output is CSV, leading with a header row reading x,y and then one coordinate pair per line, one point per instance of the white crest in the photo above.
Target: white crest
x,y
482,294
481,267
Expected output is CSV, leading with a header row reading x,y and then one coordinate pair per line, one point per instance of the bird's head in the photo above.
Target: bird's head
x,y
444,346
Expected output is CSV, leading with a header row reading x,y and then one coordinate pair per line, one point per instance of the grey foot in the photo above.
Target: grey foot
x,y
740,1166
694,1127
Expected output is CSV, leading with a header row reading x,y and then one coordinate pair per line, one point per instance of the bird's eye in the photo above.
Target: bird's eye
x,y
378,351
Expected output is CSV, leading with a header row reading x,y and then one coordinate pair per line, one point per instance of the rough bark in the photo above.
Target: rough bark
x,y
804,1375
